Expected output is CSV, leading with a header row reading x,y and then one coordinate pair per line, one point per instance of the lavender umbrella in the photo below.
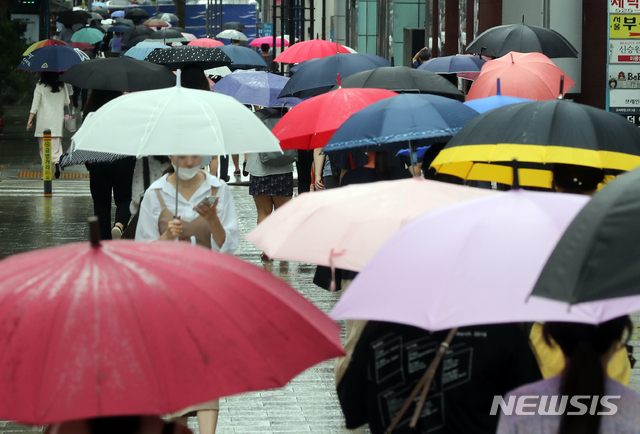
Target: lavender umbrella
x,y
255,87
472,263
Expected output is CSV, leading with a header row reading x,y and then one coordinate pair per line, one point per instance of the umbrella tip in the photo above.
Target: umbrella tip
x,y
339,82
515,185
178,79
523,19
561,87
94,231
498,87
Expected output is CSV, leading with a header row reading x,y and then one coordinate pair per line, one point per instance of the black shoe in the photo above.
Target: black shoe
x,y
244,169
226,178
57,172
236,173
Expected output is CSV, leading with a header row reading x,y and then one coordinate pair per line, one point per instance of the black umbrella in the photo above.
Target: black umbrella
x,y
137,14
318,76
404,80
167,35
122,74
243,57
233,25
178,29
135,41
69,18
135,32
499,41
96,16
124,21
104,14
598,257
178,57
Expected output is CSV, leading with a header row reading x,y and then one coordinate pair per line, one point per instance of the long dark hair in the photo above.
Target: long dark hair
x,y
193,77
49,78
583,346
98,98
576,179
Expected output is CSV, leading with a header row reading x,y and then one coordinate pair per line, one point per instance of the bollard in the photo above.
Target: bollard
x,y
46,163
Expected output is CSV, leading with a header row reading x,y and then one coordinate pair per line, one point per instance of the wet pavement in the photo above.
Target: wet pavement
x,y
30,221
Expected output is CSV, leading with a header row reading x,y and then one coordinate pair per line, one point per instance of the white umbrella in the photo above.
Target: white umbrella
x,y
232,34
222,71
174,121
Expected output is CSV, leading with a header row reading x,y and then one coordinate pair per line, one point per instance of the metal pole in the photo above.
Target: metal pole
x,y
46,24
324,19
46,163
312,19
435,29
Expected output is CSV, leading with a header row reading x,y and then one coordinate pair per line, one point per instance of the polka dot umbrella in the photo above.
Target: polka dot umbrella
x,y
177,57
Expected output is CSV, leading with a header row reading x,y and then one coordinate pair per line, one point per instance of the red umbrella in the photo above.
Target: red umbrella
x,y
307,50
311,123
206,42
127,327
84,46
523,75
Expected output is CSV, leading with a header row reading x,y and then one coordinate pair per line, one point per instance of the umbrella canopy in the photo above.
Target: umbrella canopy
x,y
529,75
167,17
482,105
319,76
96,16
119,28
69,18
233,25
348,225
307,50
597,257
82,46
121,74
167,35
43,43
453,64
189,36
146,328
141,50
311,123
402,79
76,158
55,58
89,35
481,277
232,34
254,87
101,12
221,71
243,57
390,123
205,42
523,38
174,121
125,21
537,134
135,32
117,14
268,40
177,57
156,23
137,14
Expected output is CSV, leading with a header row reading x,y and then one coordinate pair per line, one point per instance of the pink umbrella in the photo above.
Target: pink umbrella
x,y
345,227
472,263
206,42
268,40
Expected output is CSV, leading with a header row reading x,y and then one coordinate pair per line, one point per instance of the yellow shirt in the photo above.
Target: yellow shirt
x,y
551,359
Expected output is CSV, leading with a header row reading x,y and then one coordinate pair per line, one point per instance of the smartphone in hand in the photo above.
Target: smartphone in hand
x,y
209,200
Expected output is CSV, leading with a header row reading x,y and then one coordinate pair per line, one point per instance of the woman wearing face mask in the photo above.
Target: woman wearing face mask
x,y
213,226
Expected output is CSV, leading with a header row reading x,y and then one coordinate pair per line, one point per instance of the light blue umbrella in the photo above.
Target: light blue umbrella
x,y
482,105
142,49
256,88
243,57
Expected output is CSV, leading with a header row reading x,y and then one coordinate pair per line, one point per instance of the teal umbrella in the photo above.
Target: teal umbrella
x,y
87,34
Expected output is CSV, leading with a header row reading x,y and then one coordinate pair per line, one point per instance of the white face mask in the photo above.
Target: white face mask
x,y
186,174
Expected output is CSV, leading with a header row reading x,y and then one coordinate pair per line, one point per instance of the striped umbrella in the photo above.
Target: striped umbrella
x,y
43,43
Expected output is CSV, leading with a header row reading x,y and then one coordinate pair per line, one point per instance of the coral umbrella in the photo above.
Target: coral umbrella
x,y
268,40
523,75
206,42
307,50
311,123
124,328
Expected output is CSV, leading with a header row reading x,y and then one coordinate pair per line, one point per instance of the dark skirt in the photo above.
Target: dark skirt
x,y
272,185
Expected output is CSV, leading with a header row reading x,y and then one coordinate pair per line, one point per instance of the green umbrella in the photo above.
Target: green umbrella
x,y
88,35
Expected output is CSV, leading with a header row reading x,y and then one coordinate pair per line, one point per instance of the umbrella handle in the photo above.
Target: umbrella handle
x,y
94,231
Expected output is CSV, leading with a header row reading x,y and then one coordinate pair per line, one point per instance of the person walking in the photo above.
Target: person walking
x,y
206,215
107,178
587,350
49,100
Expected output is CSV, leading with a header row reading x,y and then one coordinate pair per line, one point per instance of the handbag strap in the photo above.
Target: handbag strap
x,y
145,173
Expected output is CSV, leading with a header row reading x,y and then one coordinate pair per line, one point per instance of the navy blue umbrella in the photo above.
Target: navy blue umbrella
x,y
243,57
318,76
392,123
55,58
119,28
453,64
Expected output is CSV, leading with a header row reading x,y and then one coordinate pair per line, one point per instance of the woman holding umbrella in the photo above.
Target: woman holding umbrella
x,y
49,99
